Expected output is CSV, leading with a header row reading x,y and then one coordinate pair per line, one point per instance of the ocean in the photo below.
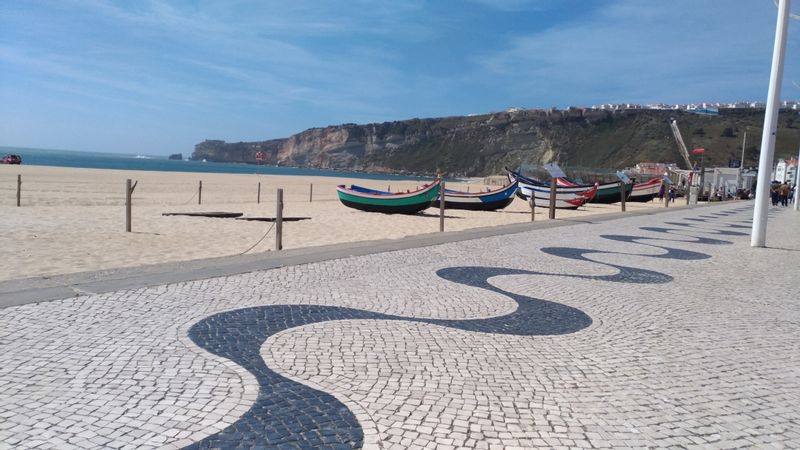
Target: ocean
x,y
92,160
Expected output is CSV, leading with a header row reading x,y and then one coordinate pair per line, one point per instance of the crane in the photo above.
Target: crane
x,y
677,133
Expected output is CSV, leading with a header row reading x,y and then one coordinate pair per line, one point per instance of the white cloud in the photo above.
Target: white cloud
x,y
633,51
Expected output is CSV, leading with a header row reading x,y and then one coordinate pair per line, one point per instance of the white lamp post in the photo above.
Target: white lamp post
x,y
796,182
759,235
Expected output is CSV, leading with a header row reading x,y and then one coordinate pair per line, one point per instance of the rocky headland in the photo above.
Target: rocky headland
x,y
483,144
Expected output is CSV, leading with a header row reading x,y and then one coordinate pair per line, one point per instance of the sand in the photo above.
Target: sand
x,y
73,220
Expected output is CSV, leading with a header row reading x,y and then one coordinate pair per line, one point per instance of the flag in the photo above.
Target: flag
x,y
699,151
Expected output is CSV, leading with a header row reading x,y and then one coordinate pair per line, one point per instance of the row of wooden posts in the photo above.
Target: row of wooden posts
x,y
130,186
552,214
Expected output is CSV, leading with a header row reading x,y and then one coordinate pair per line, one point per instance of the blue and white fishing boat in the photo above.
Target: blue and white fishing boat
x,y
566,198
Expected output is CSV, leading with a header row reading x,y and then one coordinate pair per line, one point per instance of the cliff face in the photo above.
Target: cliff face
x,y
241,152
482,145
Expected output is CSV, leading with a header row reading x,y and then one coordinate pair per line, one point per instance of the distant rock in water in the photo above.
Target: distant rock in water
x,y
178,156
482,145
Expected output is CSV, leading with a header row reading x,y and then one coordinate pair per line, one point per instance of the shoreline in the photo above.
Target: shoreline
x,y
73,220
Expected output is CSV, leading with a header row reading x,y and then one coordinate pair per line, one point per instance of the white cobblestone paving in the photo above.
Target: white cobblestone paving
x,y
710,359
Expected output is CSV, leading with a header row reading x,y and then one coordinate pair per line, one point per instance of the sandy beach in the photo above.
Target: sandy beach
x,y
73,220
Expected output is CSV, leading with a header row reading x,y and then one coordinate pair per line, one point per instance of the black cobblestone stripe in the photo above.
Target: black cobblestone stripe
x,y
287,414
691,239
705,230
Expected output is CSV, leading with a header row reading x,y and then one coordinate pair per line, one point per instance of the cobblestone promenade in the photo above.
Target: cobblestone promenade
x,y
664,330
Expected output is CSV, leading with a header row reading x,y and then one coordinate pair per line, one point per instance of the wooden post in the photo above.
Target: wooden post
x,y
532,202
621,195
311,193
688,191
128,205
552,198
258,198
279,221
19,188
441,206
666,196
200,193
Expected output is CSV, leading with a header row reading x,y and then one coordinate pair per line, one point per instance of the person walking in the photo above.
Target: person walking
x,y
783,193
774,195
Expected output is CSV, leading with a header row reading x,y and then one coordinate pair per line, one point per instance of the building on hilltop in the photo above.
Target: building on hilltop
x,y
786,170
653,169
786,104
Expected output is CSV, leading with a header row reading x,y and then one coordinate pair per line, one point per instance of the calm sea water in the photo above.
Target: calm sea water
x,y
91,160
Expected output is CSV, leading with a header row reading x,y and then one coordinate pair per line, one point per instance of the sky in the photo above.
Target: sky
x,y
157,77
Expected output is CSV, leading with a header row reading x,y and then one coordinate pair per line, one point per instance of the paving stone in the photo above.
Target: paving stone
x,y
650,331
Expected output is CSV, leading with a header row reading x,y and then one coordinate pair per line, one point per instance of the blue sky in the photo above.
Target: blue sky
x,y
157,77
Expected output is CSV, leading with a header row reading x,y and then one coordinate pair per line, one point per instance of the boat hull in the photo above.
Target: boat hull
x,y
481,206
412,208
478,201
566,198
11,159
606,192
388,203
609,193
542,199
645,192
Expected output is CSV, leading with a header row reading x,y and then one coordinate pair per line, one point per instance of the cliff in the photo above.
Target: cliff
x,y
484,144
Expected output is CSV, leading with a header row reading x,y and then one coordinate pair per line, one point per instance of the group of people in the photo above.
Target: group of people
x,y
781,193
671,192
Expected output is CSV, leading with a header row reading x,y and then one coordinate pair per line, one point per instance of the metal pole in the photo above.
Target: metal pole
x,y
200,193
128,205
279,221
759,235
552,198
441,206
19,188
311,193
702,178
739,179
258,198
796,181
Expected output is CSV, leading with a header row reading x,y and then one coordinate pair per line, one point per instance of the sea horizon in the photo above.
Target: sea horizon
x,y
161,163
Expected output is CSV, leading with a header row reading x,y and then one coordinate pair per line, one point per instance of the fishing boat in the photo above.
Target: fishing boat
x,y
644,192
371,200
478,201
606,192
566,198
11,159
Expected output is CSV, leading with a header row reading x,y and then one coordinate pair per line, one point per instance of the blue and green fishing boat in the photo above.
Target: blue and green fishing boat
x,y
371,200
